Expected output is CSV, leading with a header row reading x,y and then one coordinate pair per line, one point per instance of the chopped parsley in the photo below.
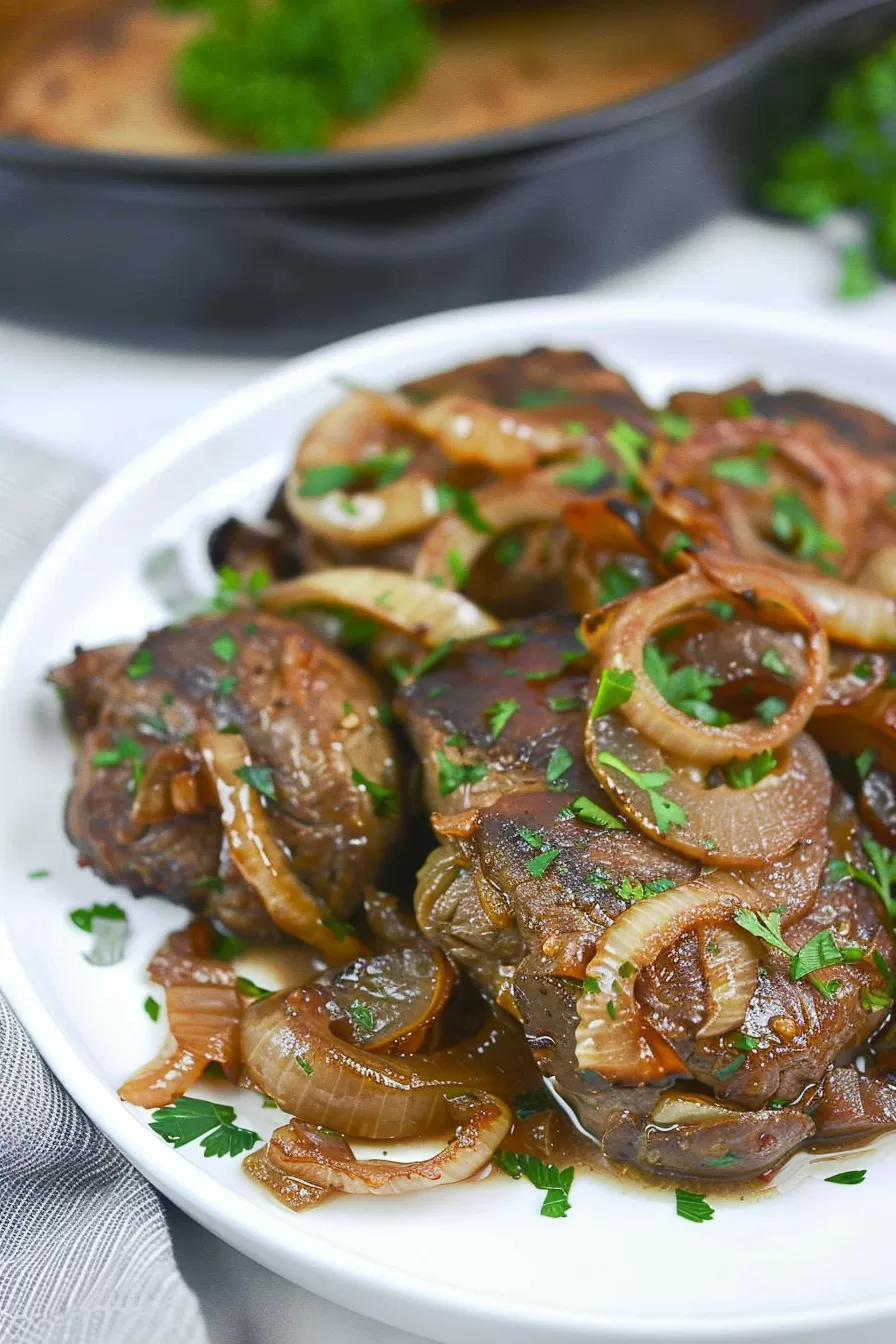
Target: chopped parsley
x,y
83,918
883,861
304,1065
770,708
560,761
151,1008
382,469
37,873
847,1178
362,1016
746,471
584,475
564,704
556,1184
615,582
614,689
530,398
738,407
250,989
140,665
499,715
675,427
383,799
260,778
227,946
224,647
678,542
509,639
724,610
226,686
459,573
463,502
632,889
190,1118
693,1207
586,810
687,689
124,749
212,883
509,549
339,929
746,774
532,838
865,762
772,661
452,775
109,926
817,954
629,443
666,812
540,863
531,1103
432,659
798,531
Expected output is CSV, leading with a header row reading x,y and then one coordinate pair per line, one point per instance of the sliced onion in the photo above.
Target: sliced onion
x,y
258,856
153,802
325,1160
853,677
172,1073
731,970
725,826
686,1108
404,990
502,507
856,616
368,518
611,1038
205,1020
879,572
791,883
185,959
289,1190
619,643
505,441
609,522
427,614
354,1091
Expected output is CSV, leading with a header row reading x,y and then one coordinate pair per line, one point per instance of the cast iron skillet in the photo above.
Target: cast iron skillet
x,y
274,254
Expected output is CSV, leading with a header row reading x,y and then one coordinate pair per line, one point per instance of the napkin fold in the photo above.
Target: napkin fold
x,y
85,1253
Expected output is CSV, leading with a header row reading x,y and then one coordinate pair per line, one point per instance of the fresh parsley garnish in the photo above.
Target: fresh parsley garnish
x,y
798,531
509,549
556,1184
452,775
614,689
746,471
463,502
362,1016
584,475
224,647
865,762
738,407
539,865
190,1118
339,929
151,1008
506,639
632,889
380,469
499,715
227,946
586,810
37,873
693,1207
666,812
817,953
687,689
678,542
83,918
383,799
564,704
746,774
615,582
770,708
140,665
560,761
724,610
432,659
883,862
629,444
847,1178
250,989
304,1065
459,573
260,778
533,1103
124,749
675,427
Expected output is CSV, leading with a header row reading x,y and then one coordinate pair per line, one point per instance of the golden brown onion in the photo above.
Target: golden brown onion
x,y
326,1160
258,856
731,970
172,1073
611,1038
618,642
428,615
856,616
506,441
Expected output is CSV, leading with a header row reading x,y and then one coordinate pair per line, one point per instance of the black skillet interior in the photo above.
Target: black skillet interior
x,y
255,253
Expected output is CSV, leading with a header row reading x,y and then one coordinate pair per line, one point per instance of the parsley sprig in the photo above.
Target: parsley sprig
x,y
191,1118
880,880
544,1176
666,812
818,953
688,689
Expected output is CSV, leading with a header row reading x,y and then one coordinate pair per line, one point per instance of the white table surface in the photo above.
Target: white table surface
x,y
104,404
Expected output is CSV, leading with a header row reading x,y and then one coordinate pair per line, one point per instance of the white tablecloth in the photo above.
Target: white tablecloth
x,y
104,404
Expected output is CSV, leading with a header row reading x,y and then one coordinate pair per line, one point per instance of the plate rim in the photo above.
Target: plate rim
x,y
390,1294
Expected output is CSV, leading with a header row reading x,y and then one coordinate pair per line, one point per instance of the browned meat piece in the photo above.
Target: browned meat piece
x,y
307,714
866,430
527,933
852,1105
538,672
81,684
556,382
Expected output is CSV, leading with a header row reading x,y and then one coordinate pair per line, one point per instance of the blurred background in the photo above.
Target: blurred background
x,y
191,190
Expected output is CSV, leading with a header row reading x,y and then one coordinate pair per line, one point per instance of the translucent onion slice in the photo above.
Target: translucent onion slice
x,y
328,1161
172,1073
856,616
403,991
853,677
427,614
505,441
367,518
205,1020
153,802
611,1038
730,827
792,883
289,1190
879,572
618,640
731,970
291,1054
452,547
258,856
609,522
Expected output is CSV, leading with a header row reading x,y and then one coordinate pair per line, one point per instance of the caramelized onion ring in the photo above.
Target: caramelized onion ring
x,y
258,856
427,614
726,826
856,616
879,572
619,642
327,1161
505,441
610,1037
731,970
368,518
172,1073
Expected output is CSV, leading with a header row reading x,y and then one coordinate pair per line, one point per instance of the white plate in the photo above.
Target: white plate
x,y
474,1263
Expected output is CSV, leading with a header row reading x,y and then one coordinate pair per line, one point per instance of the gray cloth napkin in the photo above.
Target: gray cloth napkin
x,y
85,1253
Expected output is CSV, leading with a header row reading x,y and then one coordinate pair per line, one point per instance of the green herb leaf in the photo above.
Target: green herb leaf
x,y
499,715
151,1008
738,407
509,549
557,1184
614,689
693,1207
615,582
586,810
260,778
770,708
83,918
432,659
531,1103
746,774
798,532
453,776
250,989
679,542
318,481
458,569
633,889
564,704
629,444
304,1065
584,475
189,1118
362,1016
857,277
339,929
37,873
724,610
846,1178
675,427
124,749
383,799
463,502
140,665
865,761
560,761
745,471
539,865
509,639
227,946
